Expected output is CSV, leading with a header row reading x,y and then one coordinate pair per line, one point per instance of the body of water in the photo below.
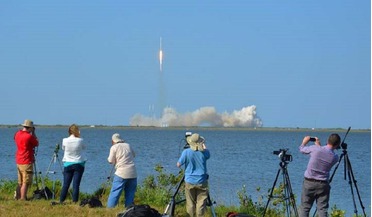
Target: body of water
x,y
238,158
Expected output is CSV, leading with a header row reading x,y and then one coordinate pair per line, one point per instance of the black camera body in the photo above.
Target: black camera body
x,y
343,145
282,154
56,149
312,139
187,145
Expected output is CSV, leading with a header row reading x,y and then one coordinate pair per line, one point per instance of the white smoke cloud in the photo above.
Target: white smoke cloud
x,y
204,116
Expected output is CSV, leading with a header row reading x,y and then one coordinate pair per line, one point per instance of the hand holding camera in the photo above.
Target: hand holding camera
x,y
308,139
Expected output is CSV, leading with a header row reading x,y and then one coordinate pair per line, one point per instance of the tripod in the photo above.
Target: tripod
x,y
288,196
53,162
172,204
349,171
38,193
104,186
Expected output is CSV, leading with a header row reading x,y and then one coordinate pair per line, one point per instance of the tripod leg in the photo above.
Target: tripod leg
x,y
338,164
168,207
55,159
171,207
286,195
210,203
333,174
38,190
271,192
351,182
290,194
48,171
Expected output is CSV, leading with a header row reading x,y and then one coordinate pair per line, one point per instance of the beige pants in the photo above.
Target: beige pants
x,y
25,172
196,199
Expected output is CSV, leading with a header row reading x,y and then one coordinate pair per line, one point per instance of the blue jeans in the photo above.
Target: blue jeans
x,y
75,172
118,185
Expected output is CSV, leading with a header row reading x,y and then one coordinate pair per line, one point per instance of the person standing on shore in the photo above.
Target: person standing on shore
x,y
316,184
26,142
125,178
196,176
73,163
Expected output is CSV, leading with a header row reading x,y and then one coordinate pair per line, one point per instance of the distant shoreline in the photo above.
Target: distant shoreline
x,y
194,128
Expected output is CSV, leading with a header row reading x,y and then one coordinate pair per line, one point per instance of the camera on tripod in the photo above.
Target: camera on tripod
x,y
282,154
56,149
343,145
187,145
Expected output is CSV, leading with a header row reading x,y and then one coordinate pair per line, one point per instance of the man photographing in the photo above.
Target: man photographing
x,y
316,182
196,177
26,142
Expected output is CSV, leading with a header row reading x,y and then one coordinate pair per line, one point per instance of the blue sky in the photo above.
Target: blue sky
x,y
279,63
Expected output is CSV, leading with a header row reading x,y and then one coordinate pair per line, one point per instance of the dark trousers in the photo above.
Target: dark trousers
x,y
73,172
315,191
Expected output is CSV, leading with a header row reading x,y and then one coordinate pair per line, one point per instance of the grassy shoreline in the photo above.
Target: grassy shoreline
x,y
155,191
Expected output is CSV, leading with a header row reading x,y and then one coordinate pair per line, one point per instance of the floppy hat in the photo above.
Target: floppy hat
x,y
116,138
196,142
28,123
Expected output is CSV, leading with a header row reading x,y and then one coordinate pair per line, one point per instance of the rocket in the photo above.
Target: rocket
x,y
160,57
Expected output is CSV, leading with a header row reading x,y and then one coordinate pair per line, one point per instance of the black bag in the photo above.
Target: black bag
x,y
44,193
235,214
143,210
91,202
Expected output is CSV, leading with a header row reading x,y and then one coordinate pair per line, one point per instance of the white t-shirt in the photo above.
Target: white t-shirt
x,y
73,147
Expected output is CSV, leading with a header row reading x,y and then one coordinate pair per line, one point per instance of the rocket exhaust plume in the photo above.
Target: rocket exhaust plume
x,y
161,96
160,57
246,117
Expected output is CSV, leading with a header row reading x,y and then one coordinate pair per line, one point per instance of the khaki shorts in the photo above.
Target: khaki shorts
x,y
25,172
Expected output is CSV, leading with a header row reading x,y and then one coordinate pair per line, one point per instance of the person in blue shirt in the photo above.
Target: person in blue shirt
x,y
196,177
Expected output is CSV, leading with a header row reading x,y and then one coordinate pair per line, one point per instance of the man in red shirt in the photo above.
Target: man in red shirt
x,y
26,142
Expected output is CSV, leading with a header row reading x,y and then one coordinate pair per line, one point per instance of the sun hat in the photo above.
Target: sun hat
x,y
116,138
196,142
28,123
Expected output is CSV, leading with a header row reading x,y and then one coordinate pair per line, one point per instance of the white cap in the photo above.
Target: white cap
x,y
116,138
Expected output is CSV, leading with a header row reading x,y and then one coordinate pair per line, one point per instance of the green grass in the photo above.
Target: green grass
x,y
155,191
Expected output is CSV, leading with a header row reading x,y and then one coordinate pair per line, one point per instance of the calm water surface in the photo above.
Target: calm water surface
x,y
238,158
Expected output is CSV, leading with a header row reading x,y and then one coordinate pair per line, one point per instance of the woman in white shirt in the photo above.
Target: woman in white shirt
x,y
73,162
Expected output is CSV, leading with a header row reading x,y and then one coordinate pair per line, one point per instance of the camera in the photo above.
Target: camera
x,y
56,149
343,145
282,154
187,145
312,139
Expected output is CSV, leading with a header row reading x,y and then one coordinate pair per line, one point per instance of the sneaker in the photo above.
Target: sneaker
x,y
53,203
16,195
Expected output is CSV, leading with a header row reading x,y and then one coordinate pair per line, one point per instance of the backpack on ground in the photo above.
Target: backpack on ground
x,y
92,202
44,193
235,214
142,210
